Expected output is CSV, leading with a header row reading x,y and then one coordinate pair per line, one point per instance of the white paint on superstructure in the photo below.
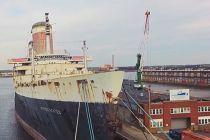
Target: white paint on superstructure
x,y
66,88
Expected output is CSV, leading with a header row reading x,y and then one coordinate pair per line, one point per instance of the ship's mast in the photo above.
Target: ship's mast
x,y
84,49
47,33
31,47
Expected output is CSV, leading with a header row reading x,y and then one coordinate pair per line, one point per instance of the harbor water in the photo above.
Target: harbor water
x,y
10,130
164,88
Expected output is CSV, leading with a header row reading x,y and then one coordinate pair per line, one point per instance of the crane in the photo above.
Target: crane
x,y
139,65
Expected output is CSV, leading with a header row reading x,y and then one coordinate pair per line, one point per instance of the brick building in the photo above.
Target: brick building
x,y
190,114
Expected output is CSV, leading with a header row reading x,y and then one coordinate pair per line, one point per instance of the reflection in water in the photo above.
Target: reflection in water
x,y
9,129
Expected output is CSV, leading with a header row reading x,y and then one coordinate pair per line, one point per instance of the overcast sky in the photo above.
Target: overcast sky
x,y
179,29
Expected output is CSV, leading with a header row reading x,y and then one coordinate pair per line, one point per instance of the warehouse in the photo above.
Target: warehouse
x,y
175,112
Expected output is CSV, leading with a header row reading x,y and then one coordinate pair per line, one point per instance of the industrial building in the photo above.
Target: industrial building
x,y
185,114
190,75
168,112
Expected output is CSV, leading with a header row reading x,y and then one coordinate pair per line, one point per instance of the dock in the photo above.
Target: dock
x,y
187,75
130,132
6,73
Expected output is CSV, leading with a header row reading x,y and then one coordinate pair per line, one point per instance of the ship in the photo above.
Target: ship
x,y
57,97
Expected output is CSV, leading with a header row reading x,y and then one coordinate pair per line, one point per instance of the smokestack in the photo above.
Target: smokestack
x,y
42,37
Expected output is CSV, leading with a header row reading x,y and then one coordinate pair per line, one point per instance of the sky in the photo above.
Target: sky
x,y
179,30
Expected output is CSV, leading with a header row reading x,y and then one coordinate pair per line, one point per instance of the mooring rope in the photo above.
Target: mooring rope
x,y
161,129
90,125
75,135
140,122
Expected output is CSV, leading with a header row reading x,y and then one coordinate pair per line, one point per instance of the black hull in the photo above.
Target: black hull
x,y
56,120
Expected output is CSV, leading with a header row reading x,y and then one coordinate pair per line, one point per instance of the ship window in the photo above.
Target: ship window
x,y
43,82
21,72
57,84
34,85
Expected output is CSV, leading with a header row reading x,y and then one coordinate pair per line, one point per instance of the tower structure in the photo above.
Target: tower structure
x,y
139,64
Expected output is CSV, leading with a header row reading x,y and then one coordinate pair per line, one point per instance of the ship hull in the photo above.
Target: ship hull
x,y
53,120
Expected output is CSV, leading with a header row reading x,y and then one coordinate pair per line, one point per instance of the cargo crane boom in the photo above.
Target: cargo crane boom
x,y
139,64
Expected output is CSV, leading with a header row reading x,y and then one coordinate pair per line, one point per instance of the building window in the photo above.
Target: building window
x,y
158,111
154,111
203,120
155,123
180,110
204,109
199,109
172,110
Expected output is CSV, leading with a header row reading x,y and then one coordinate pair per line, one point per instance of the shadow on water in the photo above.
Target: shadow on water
x,y
9,128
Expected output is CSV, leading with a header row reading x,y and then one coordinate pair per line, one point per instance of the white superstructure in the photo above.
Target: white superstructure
x,y
61,77
57,77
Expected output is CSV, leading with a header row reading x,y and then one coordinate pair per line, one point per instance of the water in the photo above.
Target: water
x,y
9,129
163,88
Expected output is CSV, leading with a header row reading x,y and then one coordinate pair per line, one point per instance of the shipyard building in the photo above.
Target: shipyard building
x,y
186,114
175,111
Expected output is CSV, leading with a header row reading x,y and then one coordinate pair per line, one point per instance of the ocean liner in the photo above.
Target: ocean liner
x,y
58,98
